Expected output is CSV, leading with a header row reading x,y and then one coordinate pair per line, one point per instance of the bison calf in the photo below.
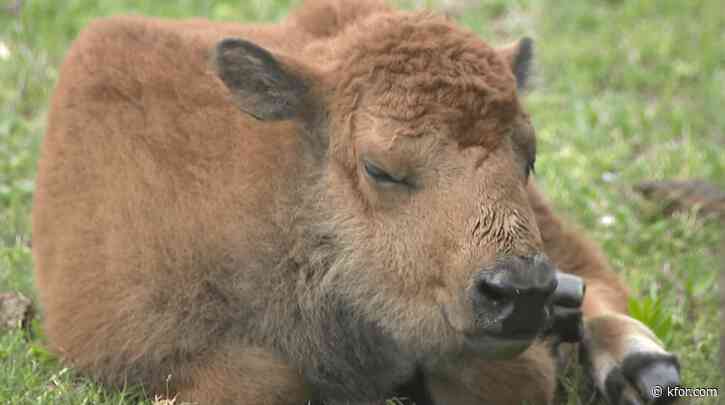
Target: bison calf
x,y
329,208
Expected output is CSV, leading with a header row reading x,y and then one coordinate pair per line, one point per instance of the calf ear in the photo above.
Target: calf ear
x,y
519,56
263,86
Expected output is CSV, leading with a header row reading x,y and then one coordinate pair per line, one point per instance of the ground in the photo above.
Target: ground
x,y
626,91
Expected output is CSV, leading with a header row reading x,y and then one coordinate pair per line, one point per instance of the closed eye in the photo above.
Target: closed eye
x,y
381,176
530,167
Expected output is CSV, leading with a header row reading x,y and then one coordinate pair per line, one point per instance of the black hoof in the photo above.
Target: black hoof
x,y
654,375
569,290
566,323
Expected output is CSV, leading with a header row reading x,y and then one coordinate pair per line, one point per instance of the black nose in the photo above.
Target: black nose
x,y
513,295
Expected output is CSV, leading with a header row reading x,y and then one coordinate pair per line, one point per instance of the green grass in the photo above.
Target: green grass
x,y
626,91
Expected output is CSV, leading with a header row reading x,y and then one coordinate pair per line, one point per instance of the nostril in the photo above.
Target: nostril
x,y
494,290
513,296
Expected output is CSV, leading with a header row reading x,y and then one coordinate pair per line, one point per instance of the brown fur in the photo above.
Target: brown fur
x,y
528,379
252,261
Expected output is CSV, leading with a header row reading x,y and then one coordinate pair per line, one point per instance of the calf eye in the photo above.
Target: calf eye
x,y
530,167
380,175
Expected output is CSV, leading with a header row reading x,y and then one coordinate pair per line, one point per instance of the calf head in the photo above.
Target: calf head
x,y
424,154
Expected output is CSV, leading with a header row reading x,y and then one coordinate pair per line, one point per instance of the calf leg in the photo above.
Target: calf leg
x,y
527,379
625,359
247,376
